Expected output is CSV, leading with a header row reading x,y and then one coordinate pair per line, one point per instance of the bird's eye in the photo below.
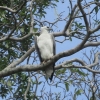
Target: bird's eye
x,y
47,27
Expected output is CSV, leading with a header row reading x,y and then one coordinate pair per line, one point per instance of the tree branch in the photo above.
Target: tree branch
x,y
5,38
84,15
25,68
11,10
84,66
16,62
27,89
69,21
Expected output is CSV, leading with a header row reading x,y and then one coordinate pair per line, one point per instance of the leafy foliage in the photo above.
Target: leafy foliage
x,y
16,23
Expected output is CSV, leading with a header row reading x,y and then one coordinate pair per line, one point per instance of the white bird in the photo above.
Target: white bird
x,y
45,46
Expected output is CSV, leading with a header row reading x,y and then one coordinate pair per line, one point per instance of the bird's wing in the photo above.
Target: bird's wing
x,y
54,44
37,49
54,52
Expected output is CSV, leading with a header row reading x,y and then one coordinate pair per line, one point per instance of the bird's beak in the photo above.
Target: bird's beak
x,y
50,29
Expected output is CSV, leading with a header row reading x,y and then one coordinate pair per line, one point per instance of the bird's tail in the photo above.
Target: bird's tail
x,y
49,71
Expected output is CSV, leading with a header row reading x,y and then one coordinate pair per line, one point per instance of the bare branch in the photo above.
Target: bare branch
x,y
69,63
24,37
27,89
31,16
96,29
84,66
9,9
84,15
11,70
91,44
69,21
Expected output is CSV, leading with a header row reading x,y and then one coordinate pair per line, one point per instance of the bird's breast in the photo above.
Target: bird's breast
x,y
45,46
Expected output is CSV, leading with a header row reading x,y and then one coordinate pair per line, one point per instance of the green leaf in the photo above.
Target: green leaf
x,y
96,0
22,29
81,73
96,9
40,82
73,70
14,76
67,86
9,84
61,71
70,38
79,92
35,29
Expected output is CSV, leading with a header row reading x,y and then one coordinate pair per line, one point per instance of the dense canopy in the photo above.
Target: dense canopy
x,y
76,28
